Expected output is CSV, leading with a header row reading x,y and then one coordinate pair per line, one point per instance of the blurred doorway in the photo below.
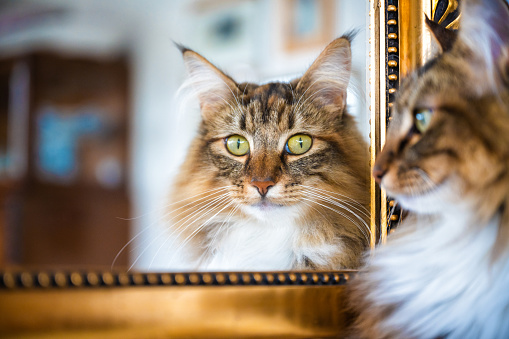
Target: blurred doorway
x,y
64,134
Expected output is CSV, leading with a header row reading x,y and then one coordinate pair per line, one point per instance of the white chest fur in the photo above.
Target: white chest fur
x,y
270,242
254,245
442,281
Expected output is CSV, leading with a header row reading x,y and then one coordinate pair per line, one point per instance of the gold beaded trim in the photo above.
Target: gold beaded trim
x,y
78,279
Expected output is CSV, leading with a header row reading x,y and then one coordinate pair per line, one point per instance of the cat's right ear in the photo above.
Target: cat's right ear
x,y
213,88
445,37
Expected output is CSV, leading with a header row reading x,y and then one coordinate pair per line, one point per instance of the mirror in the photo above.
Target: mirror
x,y
95,129
276,176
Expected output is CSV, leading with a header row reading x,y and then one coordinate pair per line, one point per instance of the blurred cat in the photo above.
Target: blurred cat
x,y
277,177
444,273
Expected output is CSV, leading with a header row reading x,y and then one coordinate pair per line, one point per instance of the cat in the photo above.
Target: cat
x,y
444,273
277,176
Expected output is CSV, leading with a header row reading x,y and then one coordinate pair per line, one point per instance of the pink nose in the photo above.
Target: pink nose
x,y
378,173
262,186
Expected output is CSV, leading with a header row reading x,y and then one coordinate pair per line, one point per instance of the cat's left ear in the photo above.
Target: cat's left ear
x,y
327,78
213,88
484,26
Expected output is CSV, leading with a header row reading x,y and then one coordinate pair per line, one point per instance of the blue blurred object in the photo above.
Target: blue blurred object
x,y
58,138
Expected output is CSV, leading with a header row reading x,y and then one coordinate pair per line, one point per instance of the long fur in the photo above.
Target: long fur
x,y
445,272
315,213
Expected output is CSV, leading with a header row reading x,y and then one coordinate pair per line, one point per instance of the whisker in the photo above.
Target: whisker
x,y
316,209
343,201
194,206
128,243
339,204
427,179
153,240
342,214
191,236
219,231
353,201
183,226
197,195
199,210
165,206
164,216
196,214
146,247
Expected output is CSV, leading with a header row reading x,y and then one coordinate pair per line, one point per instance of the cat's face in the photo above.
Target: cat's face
x,y
448,139
438,146
272,144
269,144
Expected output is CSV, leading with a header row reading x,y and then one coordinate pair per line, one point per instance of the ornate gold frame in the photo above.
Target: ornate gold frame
x,y
82,304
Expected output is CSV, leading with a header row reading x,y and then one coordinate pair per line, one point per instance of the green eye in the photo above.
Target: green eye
x,y
237,145
422,119
299,144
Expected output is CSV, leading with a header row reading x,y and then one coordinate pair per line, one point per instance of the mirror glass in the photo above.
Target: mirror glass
x,y
95,126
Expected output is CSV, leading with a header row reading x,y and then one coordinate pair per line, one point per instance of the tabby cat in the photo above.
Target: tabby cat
x,y
444,273
277,176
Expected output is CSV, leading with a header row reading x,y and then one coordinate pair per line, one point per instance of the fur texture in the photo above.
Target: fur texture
x,y
445,272
270,209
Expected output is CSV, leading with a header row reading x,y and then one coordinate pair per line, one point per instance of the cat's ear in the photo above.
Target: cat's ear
x,y
327,78
445,37
213,88
484,27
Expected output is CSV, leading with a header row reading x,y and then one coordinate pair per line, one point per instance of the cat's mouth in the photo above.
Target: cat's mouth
x,y
265,205
433,199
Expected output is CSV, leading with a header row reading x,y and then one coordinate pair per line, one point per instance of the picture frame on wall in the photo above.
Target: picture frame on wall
x,y
307,24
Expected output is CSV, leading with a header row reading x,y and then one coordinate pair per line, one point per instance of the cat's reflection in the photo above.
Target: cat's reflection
x,y
444,273
276,178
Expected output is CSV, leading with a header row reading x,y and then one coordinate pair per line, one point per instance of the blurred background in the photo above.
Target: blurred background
x,y
91,132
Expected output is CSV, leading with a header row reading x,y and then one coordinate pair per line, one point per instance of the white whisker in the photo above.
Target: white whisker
x,y
363,231
341,204
191,216
199,228
361,208
155,239
164,216
219,231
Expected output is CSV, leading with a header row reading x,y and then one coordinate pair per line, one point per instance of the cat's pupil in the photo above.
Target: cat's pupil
x,y
238,143
301,142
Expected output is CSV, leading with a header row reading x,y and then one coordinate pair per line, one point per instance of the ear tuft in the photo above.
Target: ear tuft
x,y
328,77
213,88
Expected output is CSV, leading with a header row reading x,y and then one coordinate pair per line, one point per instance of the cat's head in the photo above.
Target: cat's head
x,y
448,141
266,143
